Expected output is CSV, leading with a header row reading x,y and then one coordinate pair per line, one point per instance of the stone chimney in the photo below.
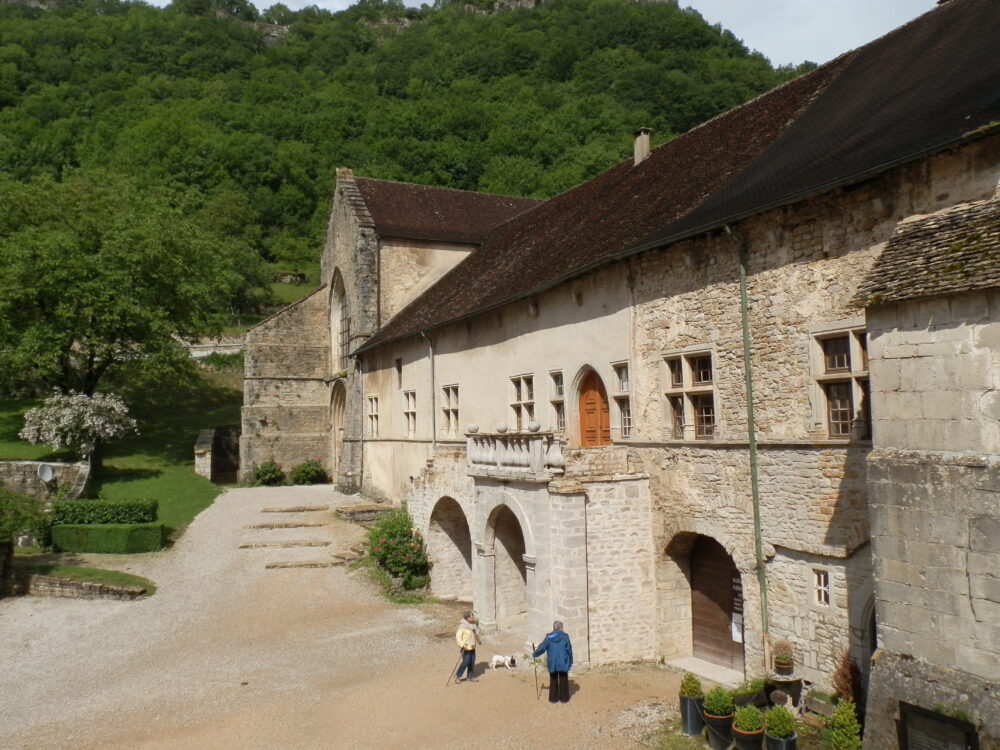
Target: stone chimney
x,y
642,145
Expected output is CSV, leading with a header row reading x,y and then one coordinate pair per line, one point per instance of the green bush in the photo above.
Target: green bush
x,y
268,474
749,687
398,548
310,472
118,538
779,722
103,511
718,702
748,719
41,530
844,732
690,686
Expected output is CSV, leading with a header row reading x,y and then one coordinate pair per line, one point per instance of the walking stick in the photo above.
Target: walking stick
x,y
535,662
453,669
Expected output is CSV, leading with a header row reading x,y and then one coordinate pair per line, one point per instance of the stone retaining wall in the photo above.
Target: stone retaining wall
x,y
52,586
22,476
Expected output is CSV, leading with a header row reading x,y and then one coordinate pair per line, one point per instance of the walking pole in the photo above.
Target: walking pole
x,y
535,662
453,669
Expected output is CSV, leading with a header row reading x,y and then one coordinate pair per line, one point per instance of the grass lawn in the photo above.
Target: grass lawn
x,y
158,463
97,575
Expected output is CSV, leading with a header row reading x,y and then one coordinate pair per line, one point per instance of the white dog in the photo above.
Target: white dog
x,y
502,661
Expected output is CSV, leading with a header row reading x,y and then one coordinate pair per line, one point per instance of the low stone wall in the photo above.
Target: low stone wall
x,y
22,476
42,585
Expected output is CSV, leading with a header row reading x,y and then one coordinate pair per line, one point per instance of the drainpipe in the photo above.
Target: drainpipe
x,y
752,438
434,431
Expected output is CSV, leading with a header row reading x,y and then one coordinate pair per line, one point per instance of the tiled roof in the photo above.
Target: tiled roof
x,y
918,89
421,212
952,251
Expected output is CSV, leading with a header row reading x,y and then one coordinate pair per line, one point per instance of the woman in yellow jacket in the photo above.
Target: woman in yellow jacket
x,y
467,638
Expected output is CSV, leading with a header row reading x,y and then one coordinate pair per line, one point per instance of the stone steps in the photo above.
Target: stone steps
x,y
297,509
363,514
302,543
286,525
331,563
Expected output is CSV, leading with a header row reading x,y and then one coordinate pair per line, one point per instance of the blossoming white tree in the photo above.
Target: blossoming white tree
x,y
78,422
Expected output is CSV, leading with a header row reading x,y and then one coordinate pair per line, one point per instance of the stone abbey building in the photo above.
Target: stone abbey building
x,y
740,388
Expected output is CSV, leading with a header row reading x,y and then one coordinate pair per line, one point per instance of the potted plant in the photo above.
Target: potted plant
x,y
718,712
692,696
779,729
783,657
748,728
750,692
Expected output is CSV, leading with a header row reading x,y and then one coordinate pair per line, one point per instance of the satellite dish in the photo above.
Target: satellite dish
x,y
45,472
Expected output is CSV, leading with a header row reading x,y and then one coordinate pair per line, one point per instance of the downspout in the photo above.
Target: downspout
x,y
434,431
752,439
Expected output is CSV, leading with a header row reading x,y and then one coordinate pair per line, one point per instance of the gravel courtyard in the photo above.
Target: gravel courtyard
x,y
229,654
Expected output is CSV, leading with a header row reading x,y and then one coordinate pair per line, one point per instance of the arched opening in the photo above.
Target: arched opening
x,y
510,571
595,417
449,547
716,605
338,400
340,325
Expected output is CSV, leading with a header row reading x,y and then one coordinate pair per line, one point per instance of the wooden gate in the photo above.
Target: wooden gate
x,y
716,605
226,455
595,418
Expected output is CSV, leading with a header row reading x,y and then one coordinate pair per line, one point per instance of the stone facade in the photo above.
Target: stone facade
x,y
934,481
22,476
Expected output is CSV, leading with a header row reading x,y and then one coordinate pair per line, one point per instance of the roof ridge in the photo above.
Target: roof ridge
x,y
452,190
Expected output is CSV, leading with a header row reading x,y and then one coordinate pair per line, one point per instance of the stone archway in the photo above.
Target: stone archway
x,y
338,405
449,548
510,572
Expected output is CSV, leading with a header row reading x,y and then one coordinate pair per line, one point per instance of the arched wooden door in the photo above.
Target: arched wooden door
x,y
338,405
716,605
595,417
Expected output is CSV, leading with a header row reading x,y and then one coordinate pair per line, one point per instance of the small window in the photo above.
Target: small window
x,y
704,417
410,412
449,408
821,587
558,390
677,416
621,374
556,400
676,372
701,370
373,416
625,417
522,405
559,409
837,354
399,374
839,408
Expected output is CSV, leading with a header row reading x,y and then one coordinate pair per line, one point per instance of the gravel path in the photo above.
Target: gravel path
x,y
228,654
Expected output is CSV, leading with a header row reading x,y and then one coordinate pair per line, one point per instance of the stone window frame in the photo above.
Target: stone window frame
x,y
557,399
825,378
372,416
410,412
681,386
522,400
622,398
449,409
821,587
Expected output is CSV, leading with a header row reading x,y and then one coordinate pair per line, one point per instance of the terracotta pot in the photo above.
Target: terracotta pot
x,y
692,721
720,731
748,740
784,668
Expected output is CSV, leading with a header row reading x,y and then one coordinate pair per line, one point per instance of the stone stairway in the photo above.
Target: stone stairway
x,y
274,536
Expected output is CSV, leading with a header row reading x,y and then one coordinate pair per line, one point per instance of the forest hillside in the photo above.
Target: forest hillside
x,y
237,118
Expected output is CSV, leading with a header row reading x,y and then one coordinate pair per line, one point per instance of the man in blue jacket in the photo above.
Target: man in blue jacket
x,y
560,658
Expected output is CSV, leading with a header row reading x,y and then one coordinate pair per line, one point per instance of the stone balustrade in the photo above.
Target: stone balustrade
x,y
531,456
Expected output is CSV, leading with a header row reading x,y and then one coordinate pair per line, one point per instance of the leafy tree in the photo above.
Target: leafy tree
x,y
17,513
100,276
77,421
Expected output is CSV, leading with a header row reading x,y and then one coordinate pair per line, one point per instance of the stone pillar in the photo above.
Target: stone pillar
x,y
484,600
568,566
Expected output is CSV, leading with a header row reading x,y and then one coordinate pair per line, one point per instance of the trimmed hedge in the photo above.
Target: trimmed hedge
x,y
103,511
117,538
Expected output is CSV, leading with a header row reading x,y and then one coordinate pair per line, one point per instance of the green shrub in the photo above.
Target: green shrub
x,y
844,732
223,362
103,511
779,722
268,474
397,547
310,472
748,719
718,702
41,530
118,538
411,581
690,686
749,687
